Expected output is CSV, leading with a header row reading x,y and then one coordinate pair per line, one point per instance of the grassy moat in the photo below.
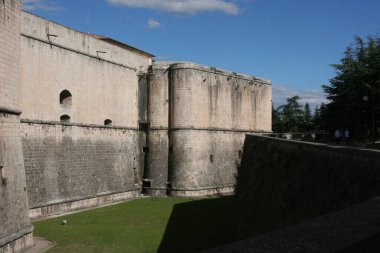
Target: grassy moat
x,y
144,225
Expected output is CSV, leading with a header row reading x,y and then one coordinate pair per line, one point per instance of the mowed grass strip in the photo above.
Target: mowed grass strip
x,y
143,225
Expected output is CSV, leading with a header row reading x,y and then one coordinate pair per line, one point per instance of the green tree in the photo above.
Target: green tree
x,y
277,126
354,91
307,118
318,123
291,115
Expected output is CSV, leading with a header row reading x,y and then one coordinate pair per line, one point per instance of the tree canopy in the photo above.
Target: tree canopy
x,y
354,91
353,94
292,117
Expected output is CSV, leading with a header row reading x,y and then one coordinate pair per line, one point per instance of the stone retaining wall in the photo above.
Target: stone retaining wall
x,y
282,182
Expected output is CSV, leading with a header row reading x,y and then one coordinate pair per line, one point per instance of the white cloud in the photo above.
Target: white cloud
x,y
45,5
282,92
181,6
153,24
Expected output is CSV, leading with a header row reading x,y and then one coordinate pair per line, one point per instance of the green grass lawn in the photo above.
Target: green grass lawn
x,y
143,225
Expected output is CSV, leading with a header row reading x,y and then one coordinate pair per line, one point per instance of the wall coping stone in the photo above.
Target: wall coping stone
x,y
199,67
375,152
78,52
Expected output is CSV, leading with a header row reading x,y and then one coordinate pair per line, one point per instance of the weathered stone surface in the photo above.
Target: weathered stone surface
x,y
98,118
282,182
157,166
198,119
95,156
66,163
204,160
103,85
15,228
204,97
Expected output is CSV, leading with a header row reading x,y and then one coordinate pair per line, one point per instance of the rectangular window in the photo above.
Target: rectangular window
x,y
147,183
144,126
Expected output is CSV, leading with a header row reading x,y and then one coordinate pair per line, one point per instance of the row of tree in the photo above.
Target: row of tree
x,y
354,91
293,117
353,94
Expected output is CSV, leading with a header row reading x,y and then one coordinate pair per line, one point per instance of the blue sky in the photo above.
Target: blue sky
x,y
291,42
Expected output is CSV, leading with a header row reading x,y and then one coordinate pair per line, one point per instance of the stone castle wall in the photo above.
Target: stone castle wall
x,y
298,181
211,110
99,120
85,160
15,227
103,85
69,163
158,136
208,98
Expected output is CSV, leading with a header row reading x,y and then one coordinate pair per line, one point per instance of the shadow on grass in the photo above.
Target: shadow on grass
x,y
199,225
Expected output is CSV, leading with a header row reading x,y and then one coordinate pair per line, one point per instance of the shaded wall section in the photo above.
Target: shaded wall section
x,y
283,182
353,229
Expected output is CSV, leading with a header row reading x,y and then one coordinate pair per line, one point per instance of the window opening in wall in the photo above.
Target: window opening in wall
x,y
144,126
146,149
65,98
147,183
240,152
211,158
168,188
108,122
65,118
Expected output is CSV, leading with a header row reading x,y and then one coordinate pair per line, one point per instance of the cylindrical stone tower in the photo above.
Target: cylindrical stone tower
x,y
211,111
157,150
198,118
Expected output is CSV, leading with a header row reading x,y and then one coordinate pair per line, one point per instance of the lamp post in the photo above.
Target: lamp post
x,y
365,98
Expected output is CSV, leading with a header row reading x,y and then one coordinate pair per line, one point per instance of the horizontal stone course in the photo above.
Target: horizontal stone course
x,y
69,162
